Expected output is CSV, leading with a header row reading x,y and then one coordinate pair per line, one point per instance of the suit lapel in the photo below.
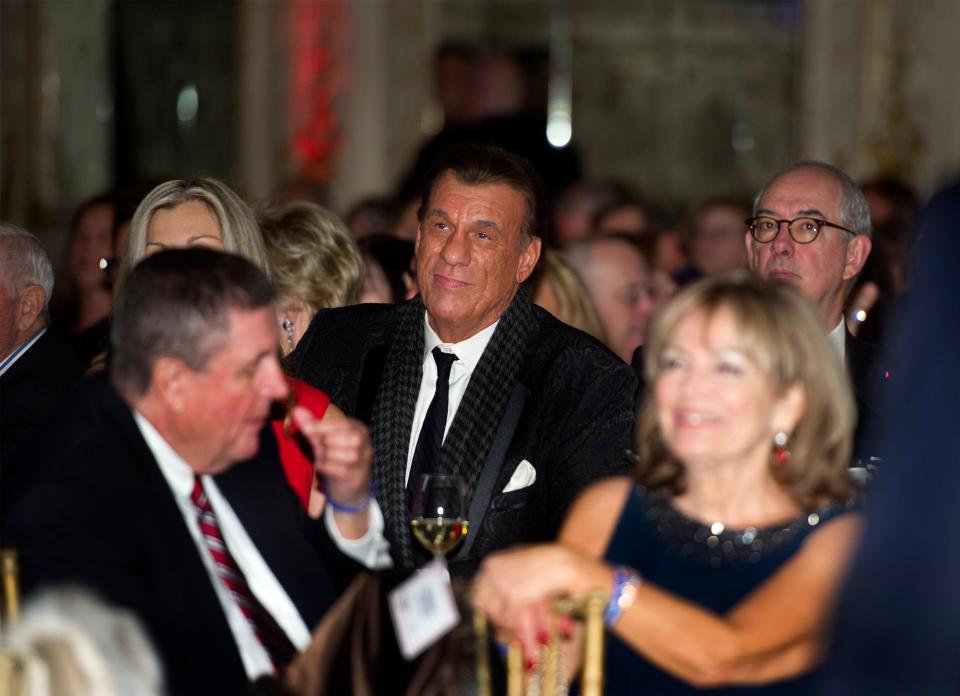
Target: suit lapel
x,y
392,422
370,377
26,360
492,471
186,576
493,464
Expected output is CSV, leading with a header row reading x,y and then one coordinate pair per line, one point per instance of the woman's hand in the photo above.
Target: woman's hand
x,y
514,588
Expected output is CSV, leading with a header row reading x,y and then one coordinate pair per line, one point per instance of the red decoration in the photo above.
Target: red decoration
x,y
318,40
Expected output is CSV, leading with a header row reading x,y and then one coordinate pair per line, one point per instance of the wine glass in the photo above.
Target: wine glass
x,y
439,508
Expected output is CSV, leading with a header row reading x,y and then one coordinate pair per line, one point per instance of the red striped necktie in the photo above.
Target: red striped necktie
x,y
268,632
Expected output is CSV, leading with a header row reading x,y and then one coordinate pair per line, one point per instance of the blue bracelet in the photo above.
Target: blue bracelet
x,y
625,584
350,509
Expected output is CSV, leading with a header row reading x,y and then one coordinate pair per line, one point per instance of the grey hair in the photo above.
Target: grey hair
x,y
580,253
175,304
854,210
25,262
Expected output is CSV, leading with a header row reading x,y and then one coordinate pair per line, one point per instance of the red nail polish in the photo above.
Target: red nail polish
x,y
543,638
531,663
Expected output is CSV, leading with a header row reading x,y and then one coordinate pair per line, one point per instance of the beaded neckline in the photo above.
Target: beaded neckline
x,y
716,545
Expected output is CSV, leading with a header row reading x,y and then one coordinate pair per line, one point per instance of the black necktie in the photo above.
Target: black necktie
x,y
426,456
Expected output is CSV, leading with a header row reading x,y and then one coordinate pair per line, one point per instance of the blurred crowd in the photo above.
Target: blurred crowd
x,y
498,97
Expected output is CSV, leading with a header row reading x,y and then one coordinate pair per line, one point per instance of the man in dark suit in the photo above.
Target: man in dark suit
x,y
811,228
469,377
162,489
36,366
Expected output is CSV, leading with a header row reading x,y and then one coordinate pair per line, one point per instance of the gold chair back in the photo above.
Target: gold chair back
x,y
10,579
12,680
550,679
11,664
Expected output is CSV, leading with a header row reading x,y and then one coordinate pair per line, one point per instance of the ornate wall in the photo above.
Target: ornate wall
x,y
56,108
878,93
682,97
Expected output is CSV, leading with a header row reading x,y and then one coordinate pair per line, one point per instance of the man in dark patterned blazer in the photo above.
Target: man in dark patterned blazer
x,y
469,377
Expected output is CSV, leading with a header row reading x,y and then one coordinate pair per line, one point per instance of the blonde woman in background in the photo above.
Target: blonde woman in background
x,y
202,211
312,262
560,290
313,265
206,212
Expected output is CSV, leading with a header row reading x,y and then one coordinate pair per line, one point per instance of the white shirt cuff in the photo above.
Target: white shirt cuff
x,y
372,549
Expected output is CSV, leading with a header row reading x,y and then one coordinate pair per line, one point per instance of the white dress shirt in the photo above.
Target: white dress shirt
x,y
838,337
261,580
468,354
372,549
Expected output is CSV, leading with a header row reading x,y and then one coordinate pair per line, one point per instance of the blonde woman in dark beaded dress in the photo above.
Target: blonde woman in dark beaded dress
x,y
723,557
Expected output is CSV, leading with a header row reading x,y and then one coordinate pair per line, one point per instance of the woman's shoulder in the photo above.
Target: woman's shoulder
x,y
608,494
835,523
840,508
594,515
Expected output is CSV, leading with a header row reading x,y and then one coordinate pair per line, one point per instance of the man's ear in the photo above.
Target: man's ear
x,y
749,241
858,249
30,302
169,380
528,258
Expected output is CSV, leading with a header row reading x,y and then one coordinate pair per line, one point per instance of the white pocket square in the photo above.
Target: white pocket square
x,y
524,475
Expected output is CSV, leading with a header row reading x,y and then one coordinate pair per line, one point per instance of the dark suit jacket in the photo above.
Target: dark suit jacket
x,y
898,623
870,380
100,514
32,388
570,415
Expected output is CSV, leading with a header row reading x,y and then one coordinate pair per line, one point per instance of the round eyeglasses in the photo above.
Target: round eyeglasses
x,y
803,230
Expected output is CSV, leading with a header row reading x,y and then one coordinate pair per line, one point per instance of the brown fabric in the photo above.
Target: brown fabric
x,y
339,635
354,651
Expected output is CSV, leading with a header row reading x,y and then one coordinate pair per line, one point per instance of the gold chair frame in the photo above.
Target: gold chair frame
x,y
11,665
590,610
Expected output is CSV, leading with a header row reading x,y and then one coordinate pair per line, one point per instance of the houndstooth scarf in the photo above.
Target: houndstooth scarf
x,y
473,428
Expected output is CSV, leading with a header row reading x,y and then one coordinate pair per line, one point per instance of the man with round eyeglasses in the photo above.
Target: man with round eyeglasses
x,y
811,228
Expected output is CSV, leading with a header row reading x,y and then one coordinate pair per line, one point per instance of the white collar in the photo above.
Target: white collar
x,y
468,351
17,352
838,337
175,470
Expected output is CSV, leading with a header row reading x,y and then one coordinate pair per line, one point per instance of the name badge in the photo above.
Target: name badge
x,y
423,609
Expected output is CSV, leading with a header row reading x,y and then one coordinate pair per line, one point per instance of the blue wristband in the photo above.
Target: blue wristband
x,y
350,509
625,584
